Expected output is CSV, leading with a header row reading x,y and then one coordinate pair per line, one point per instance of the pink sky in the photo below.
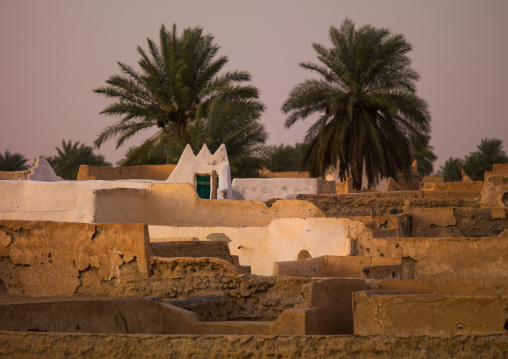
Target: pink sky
x,y
53,53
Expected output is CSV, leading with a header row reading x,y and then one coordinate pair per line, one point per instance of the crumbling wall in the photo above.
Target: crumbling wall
x,y
50,258
54,345
14,175
495,188
442,258
379,203
335,266
457,222
111,260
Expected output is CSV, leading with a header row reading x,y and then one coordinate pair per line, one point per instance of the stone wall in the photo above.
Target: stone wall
x,y
55,345
104,173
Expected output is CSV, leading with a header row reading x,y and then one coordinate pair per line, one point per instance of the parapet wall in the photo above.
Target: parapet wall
x,y
132,202
442,258
151,172
281,240
335,266
263,189
385,313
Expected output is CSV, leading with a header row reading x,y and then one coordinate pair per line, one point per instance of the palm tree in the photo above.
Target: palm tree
x,y
489,152
13,162
286,157
227,123
71,156
451,170
367,102
178,82
422,152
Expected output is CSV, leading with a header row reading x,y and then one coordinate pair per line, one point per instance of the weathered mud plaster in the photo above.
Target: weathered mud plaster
x,y
53,345
433,222
105,173
49,258
263,189
142,316
442,258
443,286
495,189
382,313
282,240
337,266
327,311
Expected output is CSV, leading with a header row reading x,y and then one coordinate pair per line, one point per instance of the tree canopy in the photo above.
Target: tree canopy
x,y
451,170
71,156
285,157
227,123
13,162
181,92
490,151
366,100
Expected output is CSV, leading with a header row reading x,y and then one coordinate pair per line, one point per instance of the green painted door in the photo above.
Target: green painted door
x,y
203,186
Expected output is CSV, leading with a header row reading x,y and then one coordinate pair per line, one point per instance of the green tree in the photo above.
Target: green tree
x,y
178,83
13,162
367,104
490,151
422,152
451,170
227,123
71,156
285,157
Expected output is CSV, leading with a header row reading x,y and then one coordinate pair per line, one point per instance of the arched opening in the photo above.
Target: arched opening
x,y
304,255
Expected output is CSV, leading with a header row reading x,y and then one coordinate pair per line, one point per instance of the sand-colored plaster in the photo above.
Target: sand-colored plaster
x,y
442,258
495,189
105,173
432,222
56,345
48,258
333,266
382,313
137,202
281,240
179,205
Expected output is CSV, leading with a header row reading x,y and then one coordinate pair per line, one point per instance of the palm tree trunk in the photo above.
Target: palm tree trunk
x,y
357,173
